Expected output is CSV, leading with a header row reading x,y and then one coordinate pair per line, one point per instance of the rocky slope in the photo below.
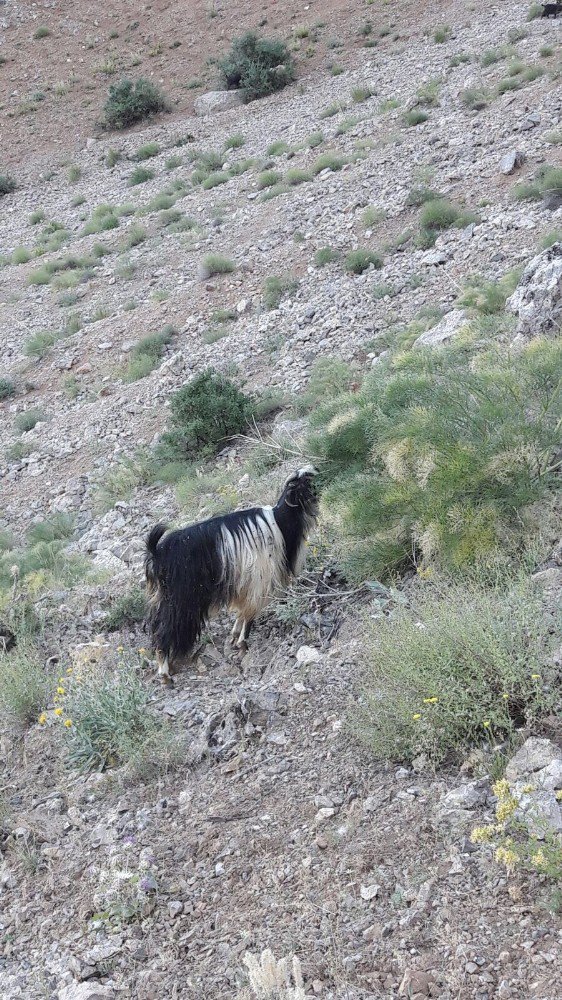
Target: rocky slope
x,y
278,832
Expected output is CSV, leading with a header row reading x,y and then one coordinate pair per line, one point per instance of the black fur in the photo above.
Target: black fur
x,y
190,574
551,9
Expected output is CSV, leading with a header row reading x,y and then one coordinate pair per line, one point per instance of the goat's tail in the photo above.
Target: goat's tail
x,y
150,568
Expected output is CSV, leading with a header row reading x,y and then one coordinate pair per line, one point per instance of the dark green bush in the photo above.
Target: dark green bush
x,y
130,102
127,610
7,184
204,414
256,66
7,388
359,260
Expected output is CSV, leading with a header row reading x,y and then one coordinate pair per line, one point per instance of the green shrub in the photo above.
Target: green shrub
x,y
104,217
24,684
526,191
215,263
509,83
346,125
21,255
326,255
488,297
130,102
147,353
475,98
235,141
390,104
457,669
7,184
328,161
7,388
329,378
360,260
112,724
535,10
277,148
428,94
548,240
172,162
359,94
256,66
275,288
113,157
297,176
134,236
551,181
147,151
38,345
56,528
442,34
331,110
440,453
372,216
41,32
415,117
418,196
441,214
126,611
268,178
315,139
213,180
545,51
204,414
27,420
121,480
140,175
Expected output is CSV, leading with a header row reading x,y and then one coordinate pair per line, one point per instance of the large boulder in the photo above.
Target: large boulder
x,y
444,330
537,300
216,101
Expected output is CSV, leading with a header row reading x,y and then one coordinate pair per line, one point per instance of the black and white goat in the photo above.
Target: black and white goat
x,y
235,560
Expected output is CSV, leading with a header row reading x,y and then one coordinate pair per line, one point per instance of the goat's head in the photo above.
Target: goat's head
x,y
299,491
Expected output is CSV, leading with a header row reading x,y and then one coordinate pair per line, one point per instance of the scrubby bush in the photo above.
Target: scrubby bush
x,y
111,724
7,388
360,260
328,161
7,184
256,66
147,353
38,345
296,176
215,263
127,610
326,255
146,152
475,98
415,117
274,288
268,178
488,297
27,420
455,670
439,454
130,102
140,175
204,414
24,684
441,214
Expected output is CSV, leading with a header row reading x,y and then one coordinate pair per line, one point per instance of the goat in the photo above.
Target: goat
x,y
551,9
235,560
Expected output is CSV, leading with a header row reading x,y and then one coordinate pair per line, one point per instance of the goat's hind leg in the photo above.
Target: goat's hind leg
x,y
237,628
244,634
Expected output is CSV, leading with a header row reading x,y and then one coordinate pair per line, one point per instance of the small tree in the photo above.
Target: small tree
x,y
256,66
205,413
130,102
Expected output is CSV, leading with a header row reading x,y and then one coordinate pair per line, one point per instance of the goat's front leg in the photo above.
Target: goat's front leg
x,y
164,668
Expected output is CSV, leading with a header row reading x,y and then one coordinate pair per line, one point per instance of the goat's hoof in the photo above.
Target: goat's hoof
x,y
166,680
242,645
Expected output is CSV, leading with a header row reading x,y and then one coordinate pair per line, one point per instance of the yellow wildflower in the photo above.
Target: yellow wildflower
x,y
58,711
120,649
558,795
69,670
142,651
535,677
482,834
508,857
60,690
42,719
68,723
486,723
416,716
539,860
505,697
528,788
430,701
501,788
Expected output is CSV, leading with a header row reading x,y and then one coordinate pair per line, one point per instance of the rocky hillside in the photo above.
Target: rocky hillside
x,y
258,241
